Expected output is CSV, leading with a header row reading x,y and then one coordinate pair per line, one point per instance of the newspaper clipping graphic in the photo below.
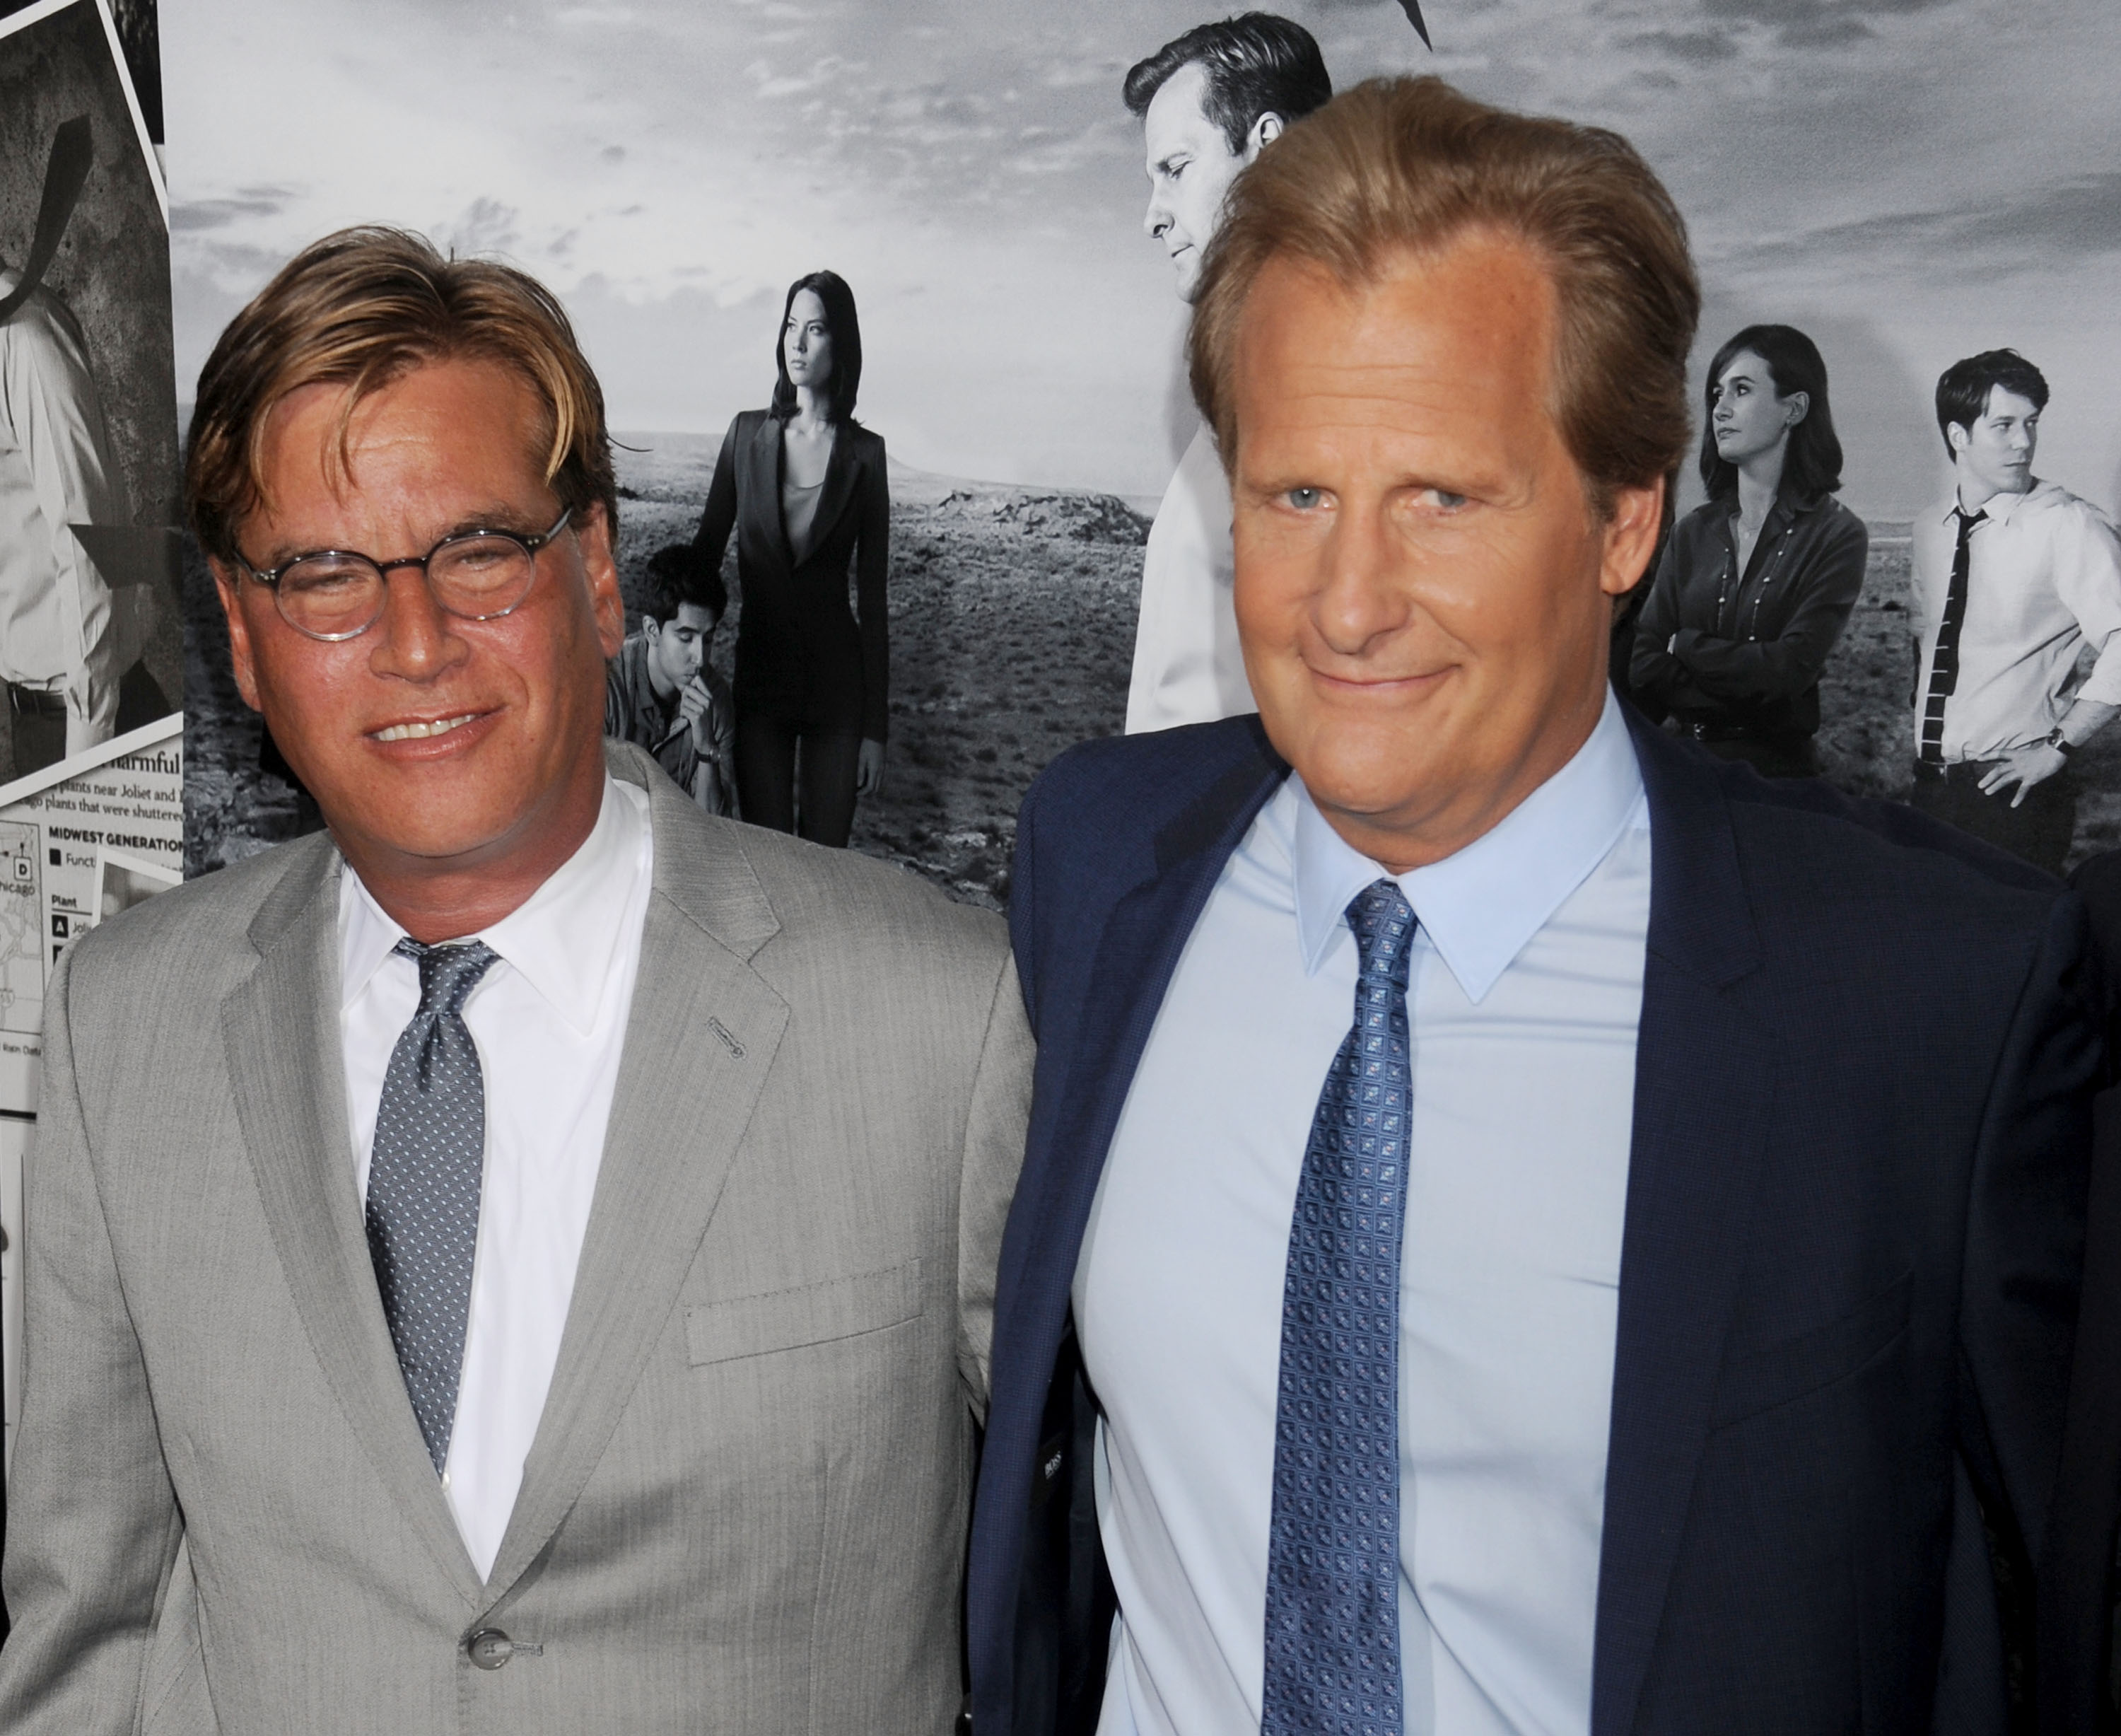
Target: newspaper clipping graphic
x,y
76,846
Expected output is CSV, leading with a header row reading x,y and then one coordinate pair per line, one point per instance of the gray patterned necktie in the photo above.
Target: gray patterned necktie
x,y
423,1185
1332,1564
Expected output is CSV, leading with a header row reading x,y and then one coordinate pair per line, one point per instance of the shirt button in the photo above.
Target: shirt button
x,y
490,1648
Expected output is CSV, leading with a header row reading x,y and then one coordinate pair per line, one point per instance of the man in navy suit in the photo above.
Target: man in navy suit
x,y
1524,1228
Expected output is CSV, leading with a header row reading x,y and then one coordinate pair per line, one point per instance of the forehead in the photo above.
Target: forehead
x,y
1176,119
807,306
1452,345
1746,366
694,617
443,437
2006,405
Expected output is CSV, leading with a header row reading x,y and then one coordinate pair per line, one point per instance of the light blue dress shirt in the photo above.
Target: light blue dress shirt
x,y
1523,1002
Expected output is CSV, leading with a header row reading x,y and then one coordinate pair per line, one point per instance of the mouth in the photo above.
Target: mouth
x,y
419,730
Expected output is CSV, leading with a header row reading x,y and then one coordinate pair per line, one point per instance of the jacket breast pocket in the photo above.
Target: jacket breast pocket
x,y
1777,1374
809,1314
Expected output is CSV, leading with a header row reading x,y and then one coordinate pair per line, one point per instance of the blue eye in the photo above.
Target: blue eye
x,y
1304,499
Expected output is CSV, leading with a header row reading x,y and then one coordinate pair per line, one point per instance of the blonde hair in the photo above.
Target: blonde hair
x,y
1410,163
361,308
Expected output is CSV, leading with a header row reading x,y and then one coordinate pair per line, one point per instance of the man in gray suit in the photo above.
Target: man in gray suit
x,y
523,1260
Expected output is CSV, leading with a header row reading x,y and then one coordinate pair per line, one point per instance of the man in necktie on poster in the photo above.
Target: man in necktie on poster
x,y
1525,1227
519,1261
2014,580
1209,102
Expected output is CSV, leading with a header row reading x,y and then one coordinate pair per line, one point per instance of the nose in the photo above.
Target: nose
x,y
415,638
1360,604
1156,219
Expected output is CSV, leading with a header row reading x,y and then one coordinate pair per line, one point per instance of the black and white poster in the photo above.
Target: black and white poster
x,y
1908,182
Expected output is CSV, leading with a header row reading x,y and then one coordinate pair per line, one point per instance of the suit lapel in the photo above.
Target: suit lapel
x,y
841,467
699,1042
281,1030
1705,1095
1137,952
759,495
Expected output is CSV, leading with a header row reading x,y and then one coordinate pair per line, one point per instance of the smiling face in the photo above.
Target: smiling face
x,y
1747,416
458,762
1424,591
806,341
1191,166
1995,456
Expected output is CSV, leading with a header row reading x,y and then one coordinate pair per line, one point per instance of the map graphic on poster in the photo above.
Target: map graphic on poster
x,y
22,929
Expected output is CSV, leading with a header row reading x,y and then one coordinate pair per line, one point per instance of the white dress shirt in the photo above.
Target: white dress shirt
x,y
57,633
548,1020
1187,665
2042,580
1524,997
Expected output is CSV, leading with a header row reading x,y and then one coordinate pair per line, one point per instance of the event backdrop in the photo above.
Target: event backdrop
x,y
1908,180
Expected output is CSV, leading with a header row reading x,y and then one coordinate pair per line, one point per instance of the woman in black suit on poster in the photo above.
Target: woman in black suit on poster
x,y
803,486
1756,585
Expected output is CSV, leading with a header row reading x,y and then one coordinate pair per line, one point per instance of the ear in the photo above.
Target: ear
x,y
1798,405
1265,131
228,586
594,535
1630,537
1957,436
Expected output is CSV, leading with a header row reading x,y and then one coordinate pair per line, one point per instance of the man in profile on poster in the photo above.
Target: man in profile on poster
x,y
521,1260
58,638
2014,580
1525,1226
1209,102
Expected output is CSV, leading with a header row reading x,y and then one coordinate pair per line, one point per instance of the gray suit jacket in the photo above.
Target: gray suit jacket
x,y
745,1507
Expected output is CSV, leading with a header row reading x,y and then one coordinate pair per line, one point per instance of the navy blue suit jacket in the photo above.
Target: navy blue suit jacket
x,y
1849,1264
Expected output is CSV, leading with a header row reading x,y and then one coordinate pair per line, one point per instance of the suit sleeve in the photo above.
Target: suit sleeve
x,y
1739,672
993,1154
95,1524
872,566
718,518
2024,1236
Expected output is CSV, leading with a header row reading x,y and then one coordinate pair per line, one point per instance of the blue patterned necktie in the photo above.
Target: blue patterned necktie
x,y
423,1185
1332,1566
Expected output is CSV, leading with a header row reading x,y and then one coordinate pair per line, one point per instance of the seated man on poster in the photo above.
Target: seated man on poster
x,y
1209,102
1675,1265
2014,579
660,691
520,1260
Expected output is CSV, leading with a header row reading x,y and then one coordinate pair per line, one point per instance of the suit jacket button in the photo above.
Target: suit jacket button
x,y
490,1648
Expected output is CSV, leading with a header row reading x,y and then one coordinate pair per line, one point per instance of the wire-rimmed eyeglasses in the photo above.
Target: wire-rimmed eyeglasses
x,y
333,594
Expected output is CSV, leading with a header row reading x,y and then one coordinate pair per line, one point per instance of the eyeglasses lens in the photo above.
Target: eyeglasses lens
x,y
334,596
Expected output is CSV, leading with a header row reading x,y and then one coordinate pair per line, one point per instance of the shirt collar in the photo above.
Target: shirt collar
x,y
1480,907
561,939
1999,508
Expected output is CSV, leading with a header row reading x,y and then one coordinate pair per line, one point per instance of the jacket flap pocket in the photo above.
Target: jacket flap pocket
x,y
1760,1380
811,1313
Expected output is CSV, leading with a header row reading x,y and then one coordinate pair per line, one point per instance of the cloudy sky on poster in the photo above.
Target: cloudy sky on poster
x,y
1909,179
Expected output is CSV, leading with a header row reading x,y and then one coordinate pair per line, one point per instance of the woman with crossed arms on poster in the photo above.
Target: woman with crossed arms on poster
x,y
1756,585
803,486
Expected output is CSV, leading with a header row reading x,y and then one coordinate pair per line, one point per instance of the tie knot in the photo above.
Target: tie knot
x,y
1383,925
1968,520
448,972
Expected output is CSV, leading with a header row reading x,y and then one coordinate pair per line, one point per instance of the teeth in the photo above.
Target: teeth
x,y
415,731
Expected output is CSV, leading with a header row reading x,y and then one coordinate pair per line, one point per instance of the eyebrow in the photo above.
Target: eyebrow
x,y
498,517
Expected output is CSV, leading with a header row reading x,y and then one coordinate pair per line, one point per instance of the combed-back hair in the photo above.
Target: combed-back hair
x,y
678,573
1963,388
360,309
831,289
1400,166
1256,64
1811,461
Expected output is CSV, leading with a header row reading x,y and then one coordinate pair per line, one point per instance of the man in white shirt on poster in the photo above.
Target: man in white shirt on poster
x,y
1209,102
2013,578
